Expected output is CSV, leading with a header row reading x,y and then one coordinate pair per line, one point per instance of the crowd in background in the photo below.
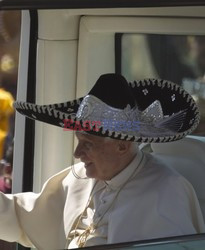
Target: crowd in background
x,y
10,23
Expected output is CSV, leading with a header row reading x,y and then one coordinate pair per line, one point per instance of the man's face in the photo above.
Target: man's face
x,y
101,156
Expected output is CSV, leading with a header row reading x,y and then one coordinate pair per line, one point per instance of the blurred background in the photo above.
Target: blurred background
x,y
10,27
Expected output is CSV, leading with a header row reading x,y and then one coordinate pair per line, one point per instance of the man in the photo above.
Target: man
x,y
128,195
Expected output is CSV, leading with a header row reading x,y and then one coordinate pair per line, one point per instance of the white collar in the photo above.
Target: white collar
x,y
134,167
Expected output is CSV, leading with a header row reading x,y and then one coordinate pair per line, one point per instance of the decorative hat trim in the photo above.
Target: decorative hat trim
x,y
153,113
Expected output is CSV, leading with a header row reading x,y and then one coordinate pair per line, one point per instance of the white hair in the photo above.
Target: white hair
x,y
135,145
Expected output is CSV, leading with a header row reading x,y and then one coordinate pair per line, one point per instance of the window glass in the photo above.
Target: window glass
x,y
189,244
177,58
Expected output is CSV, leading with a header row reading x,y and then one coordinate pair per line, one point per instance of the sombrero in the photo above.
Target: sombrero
x,y
149,110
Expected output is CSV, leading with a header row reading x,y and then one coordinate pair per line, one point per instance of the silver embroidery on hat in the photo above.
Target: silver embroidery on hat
x,y
145,91
92,108
173,97
149,122
153,112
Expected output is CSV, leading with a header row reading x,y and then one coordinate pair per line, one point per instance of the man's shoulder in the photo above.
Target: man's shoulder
x,y
158,172
168,165
159,165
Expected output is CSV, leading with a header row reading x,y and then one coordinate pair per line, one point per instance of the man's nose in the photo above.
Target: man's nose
x,y
78,151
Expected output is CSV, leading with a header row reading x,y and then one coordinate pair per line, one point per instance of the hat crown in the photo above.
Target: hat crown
x,y
113,89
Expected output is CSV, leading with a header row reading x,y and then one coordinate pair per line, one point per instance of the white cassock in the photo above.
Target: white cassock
x,y
146,200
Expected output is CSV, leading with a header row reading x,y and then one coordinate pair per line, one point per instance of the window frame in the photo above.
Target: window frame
x,y
78,4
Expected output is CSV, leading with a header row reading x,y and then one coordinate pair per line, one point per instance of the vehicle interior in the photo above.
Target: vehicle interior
x,y
66,45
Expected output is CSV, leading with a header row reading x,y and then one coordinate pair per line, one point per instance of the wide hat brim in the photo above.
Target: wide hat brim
x,y
172,98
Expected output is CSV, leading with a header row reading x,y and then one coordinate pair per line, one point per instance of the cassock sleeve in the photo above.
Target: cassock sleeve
x,y
28,217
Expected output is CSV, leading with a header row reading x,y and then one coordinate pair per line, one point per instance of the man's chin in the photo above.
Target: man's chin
x,y
90,174
90,171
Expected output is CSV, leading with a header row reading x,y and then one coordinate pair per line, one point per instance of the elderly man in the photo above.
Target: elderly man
x,y
127,195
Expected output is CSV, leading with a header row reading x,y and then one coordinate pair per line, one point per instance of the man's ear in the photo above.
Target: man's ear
x,y
123,147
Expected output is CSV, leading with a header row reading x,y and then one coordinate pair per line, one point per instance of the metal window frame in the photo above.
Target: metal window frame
x,y
85,4
28,165
151,242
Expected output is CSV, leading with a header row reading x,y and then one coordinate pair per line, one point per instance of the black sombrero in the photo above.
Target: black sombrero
x,y
149,110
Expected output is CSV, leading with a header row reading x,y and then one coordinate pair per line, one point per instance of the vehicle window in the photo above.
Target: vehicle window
x,y
188,242
177,58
